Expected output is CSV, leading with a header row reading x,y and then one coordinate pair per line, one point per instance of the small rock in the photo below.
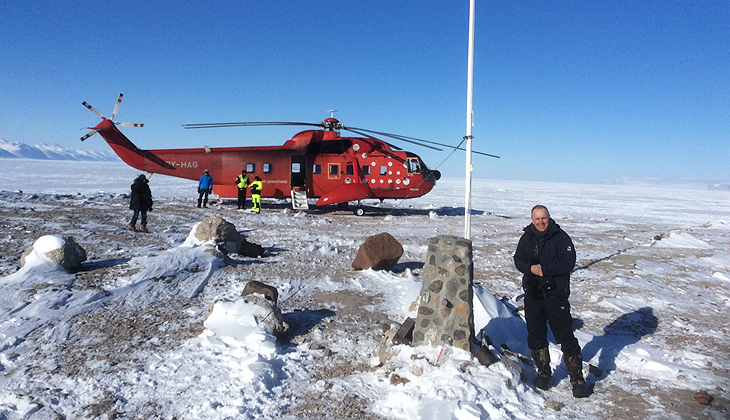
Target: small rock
x,y
396,379
418,370
484,356
508,383
595,371
703,397
553,405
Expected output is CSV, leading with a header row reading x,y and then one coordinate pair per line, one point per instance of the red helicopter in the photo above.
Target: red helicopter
x,y
313,164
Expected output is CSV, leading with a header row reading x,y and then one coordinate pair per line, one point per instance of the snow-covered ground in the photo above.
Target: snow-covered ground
x,y
126,337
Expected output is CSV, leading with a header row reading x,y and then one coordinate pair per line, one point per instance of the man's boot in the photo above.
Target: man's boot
x,y
143,228
574,364
541,358
132,227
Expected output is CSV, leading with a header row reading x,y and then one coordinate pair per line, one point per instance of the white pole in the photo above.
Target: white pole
x,y
469,123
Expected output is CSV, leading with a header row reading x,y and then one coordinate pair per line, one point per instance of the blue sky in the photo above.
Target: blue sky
x,y
570,91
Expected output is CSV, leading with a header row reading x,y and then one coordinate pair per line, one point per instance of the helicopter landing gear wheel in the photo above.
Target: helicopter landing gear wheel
x,y
359,211
343,206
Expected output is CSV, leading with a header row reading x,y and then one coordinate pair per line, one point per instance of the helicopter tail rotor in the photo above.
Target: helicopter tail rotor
x,y
116,109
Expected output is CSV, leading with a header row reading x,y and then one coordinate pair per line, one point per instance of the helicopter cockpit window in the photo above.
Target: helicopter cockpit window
x,y
296,167
251,168
317,169
414,166
267,168
366,170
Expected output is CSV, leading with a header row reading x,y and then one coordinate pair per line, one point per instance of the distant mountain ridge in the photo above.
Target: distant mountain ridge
x,y
45,151
693,184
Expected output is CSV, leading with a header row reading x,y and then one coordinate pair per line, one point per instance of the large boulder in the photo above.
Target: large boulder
x,y
62,250
379,252
226,237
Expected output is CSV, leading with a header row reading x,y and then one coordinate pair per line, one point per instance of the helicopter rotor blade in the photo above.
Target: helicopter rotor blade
x,y
87,135
363,132
123,124
392,146
116,106
92,109
248,124
406,138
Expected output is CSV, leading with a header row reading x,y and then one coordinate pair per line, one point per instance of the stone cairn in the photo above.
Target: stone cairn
x,y
445,315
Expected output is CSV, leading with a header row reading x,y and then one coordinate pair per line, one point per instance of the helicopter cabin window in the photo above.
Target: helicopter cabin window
x,y
349,169
251,168
267,168
365,170
383,170
317,170
296,167
334,171
414,166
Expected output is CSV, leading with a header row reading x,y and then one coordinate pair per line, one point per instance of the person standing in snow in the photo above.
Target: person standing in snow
x,y
545,256
242,182
205,187
141,202
256,187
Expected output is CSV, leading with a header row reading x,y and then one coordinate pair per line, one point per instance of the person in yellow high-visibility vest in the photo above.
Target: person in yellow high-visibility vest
x,y
256,187
242,182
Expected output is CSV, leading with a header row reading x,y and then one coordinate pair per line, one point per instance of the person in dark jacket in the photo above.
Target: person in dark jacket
x,y
545,256
141,202
242,182
205,187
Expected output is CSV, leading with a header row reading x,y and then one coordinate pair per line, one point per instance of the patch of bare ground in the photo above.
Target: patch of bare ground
x,y
652,402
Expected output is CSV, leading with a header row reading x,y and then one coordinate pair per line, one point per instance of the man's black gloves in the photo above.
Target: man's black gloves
x,y
545,283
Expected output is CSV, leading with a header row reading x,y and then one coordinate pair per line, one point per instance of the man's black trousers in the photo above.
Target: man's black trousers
x,y
242,198
553,311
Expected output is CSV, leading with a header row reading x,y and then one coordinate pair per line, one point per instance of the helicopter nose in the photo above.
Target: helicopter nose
x,y
433,176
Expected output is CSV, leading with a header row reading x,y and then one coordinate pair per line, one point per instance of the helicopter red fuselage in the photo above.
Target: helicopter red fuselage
x,y
329,167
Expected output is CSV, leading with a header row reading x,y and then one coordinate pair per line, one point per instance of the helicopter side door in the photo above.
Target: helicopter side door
x,y
298,172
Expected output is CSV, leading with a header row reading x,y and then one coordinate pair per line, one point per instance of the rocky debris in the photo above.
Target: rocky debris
x,y
379,252
386,350
703,397
269,292
62,250
405,332
484,356
226,237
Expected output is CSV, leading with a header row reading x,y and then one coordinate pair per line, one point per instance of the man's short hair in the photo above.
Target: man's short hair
x,y
541,207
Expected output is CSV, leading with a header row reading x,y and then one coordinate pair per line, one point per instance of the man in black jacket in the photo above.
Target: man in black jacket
x,y
545,256
141,202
